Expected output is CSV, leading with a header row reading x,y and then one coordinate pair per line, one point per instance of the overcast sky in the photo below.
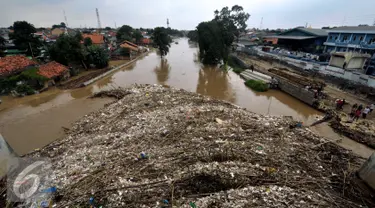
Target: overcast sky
x,y
186,14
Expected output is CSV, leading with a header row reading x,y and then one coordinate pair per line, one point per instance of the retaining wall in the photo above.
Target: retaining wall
x,y
296,91
238,61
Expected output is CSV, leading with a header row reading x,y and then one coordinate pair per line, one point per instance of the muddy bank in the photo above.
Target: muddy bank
x,y
362,132
78,82
162,146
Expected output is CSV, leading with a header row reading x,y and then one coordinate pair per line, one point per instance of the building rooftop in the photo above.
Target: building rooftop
x,y
130,45
96,38
308,31
52,69
358,29
291,37
13,64
315,32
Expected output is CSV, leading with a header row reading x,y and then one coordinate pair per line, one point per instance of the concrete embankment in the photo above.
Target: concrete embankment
x,y
112,70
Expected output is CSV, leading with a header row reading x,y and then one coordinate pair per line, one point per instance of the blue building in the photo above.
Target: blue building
x,y
351,39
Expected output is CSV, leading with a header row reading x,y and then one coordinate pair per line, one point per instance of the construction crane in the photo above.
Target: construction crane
x,y
66,23
97,16
66,20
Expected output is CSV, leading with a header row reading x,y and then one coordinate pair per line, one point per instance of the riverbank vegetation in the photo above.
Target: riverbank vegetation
x,y
235,67
25,83
257,85
215,37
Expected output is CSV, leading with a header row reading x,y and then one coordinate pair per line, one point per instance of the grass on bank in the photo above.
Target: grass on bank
x,y
257,85
235,67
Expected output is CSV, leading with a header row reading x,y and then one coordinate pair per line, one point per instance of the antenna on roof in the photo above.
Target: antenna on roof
x,y
97,16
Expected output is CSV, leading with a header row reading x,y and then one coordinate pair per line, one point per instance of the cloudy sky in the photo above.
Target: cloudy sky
x,y
186,14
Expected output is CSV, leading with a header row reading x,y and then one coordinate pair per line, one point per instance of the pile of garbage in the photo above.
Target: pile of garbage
x,y
362,131
164,147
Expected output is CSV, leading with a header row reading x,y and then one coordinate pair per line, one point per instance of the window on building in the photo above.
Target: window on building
x,y
336,38
355,38
330,37
345,38
361,38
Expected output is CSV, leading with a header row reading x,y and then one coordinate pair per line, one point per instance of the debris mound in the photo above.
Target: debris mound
x,y
164,147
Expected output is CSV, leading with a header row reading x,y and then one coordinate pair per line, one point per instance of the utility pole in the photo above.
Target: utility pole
x,y
167,23
261,24
115,25
97,16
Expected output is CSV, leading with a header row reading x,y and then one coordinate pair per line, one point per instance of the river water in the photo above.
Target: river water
x,y
34,121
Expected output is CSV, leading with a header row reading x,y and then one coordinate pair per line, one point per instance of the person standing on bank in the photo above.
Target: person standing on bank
x,y
365,112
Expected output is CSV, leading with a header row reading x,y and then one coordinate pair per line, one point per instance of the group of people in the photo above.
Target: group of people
x,y
340,104
358,110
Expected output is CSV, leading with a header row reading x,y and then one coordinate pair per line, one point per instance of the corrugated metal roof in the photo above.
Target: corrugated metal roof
x,y
310,31
313,31
354,28
291,37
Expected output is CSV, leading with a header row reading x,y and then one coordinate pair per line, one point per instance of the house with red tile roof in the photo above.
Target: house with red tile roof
x,y
41,35
130,45
97,39
146,41
54,70
10,65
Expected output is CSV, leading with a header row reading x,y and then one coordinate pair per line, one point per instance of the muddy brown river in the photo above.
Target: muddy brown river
x,y
31,122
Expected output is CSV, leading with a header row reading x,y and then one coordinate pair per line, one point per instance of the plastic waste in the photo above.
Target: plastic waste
x,y
144,155
192,204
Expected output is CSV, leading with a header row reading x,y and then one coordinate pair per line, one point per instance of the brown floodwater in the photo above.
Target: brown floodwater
x,y
31,122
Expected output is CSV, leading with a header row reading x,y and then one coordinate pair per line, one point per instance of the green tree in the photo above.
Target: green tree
x,y
124,33
108,28
97,56
61,25
67,50
78,36
87,41
23,37
216,37
2,46
193,35
210,42
2,42
162,40
137,35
